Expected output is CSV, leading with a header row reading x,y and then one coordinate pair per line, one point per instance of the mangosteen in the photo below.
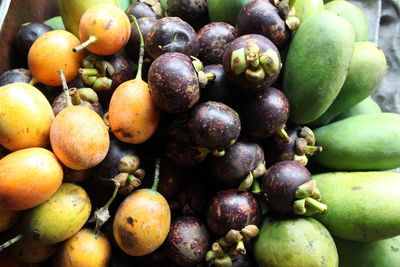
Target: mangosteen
x,y
171,179
183,154
214,38
193,12
252,62
242,161
14,76
262,17
172,34
265,113
213,125
231,209
174,83
187,242
141,10
288,189
219,89
28,34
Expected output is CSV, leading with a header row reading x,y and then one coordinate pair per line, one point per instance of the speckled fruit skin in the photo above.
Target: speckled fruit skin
x,y
231,209
173,82
141,223
213,125
187,242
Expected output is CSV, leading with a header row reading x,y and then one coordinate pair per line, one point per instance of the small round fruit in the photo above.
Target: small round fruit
x,y
28,177
25,117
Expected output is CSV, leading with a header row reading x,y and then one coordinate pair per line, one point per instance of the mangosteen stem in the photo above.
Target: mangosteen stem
x,y
83,45
219,252
315,205
141,50
75,98
156,175
11,241
65,88
33,81
284,135
88,72
240,249
246,183
309,207
256,188
311,150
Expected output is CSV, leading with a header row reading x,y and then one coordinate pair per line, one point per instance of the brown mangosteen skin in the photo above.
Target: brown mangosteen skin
x,y
181,153
172,34
239,160
213,125
173,83
187,242
194,12
171,179
15,75
133,45
122,70
281,182
140,10
213,39
240,80
262,17
231,209
264,113
219,89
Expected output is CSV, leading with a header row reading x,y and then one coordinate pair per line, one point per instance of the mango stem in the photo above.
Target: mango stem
x,y
83,45
141,50
65,88
156,175
11,241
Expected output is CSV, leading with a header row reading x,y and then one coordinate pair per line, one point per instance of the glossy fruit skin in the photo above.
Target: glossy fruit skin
x,y
187,242
193,12
79,137
28,34
84,249
173,83
25,117
213,125
367,106
314,74
262,17
31,251
133,115
60,217
52,52
300,242
7,218
280,183
142,222
109,24
20,75
213,38
140,10
231,209
364,142
240,80
264,113
173,35
239,160
28,177
362,205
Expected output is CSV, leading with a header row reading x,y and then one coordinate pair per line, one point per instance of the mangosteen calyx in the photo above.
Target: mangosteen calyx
x,y
202,76
288,12
308,200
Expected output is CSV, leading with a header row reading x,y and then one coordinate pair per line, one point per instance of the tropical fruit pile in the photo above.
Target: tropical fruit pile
x,y
198,133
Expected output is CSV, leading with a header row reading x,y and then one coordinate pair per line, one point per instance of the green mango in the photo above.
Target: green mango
x,y
353,14
381,253
225,10
362,206
307,8
300,242
72,10
367,106
55,22
316,65
367,68
60,217
124,4
364,142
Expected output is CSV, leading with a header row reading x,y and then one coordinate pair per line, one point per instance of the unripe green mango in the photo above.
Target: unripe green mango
x,y
225,10
362,206
72,10
307,8
60,217
353,14
316,65
300,242
381,253
364,142
56,23
367,68
367,106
